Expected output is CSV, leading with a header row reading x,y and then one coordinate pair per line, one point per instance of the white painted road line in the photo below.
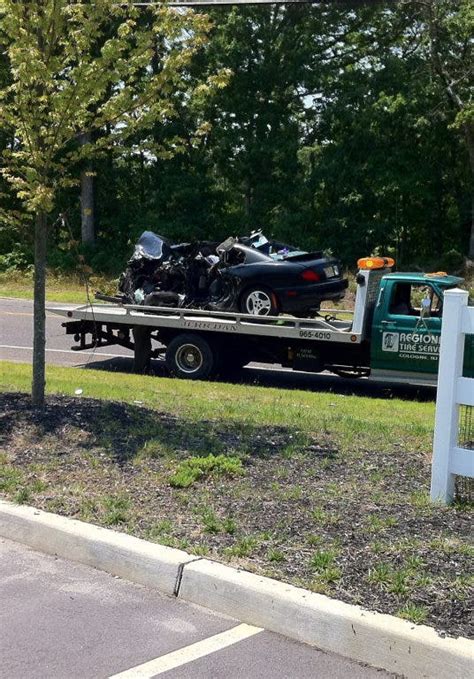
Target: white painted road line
x,y
65,351
189,653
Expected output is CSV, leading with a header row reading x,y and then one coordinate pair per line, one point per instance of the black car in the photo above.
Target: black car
x,y
250,274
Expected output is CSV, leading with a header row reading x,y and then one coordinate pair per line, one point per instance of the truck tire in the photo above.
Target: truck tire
x,y
190,357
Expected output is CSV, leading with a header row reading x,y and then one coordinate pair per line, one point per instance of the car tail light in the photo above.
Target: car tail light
x,y
310,276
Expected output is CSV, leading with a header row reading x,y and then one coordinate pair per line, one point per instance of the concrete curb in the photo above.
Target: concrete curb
x,y
383,641
415,651
116,553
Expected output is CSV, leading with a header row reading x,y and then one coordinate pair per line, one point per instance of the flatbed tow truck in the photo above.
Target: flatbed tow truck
x,y
392,335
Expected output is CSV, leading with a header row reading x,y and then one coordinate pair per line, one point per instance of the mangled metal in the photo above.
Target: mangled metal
x,y
236,274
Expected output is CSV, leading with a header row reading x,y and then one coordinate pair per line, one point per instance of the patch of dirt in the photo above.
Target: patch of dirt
x,y
356,526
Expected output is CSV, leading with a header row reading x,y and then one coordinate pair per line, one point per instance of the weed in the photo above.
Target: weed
x,y
244,547
326,518
450,546
414,562
416,614
116,509
293,493
462,587
332,489
315,540
376,523
421,499
319,515
200,550
153,448
423,580
378,547
319,586
22,496
381,574
399,583
38,486
275,556
229,525
331,574
88,510
210,521
160,530
10,479
323,559
194,468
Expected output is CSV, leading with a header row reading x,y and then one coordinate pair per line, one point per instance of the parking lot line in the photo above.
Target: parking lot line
x,y
189,653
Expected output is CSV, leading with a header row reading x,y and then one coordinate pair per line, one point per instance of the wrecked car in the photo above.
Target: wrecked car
x,y
249,274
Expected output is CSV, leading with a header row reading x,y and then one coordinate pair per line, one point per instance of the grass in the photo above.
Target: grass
x,y
59,287
416,614
194,468
354,421
322,560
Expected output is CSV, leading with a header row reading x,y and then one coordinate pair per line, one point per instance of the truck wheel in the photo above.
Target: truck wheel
x,y
190,357
259,302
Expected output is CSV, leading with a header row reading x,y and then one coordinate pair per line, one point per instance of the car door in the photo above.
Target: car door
x,y
407,328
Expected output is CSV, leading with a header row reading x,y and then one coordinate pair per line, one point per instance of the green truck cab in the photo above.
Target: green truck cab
x,y
406,327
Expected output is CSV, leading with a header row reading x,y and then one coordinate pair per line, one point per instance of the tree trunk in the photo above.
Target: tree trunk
x,y
471,240
87,199
39,314
469,136
87,206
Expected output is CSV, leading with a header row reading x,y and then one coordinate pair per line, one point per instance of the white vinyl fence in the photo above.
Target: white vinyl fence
x,y
455,392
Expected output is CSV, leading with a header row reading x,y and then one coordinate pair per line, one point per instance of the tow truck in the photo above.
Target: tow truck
x,y
392,334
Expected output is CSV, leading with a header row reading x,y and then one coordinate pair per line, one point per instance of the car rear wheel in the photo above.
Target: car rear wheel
x,y
259,302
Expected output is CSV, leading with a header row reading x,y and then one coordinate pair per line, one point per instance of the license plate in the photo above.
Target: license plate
x,y
331,271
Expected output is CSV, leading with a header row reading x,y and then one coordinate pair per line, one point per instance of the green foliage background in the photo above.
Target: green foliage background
x,y
333,132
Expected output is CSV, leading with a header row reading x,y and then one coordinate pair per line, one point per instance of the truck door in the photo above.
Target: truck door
x,y
406,328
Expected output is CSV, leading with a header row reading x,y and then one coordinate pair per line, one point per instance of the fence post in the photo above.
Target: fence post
x,y
447,408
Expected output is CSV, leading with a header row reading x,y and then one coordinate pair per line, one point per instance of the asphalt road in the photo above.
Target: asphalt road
x,y
62,620
16,341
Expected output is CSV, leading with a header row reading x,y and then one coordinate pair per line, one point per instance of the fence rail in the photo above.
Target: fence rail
x,y
454,390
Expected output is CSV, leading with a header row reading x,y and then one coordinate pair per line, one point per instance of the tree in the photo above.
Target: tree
x,y
75,69
447,30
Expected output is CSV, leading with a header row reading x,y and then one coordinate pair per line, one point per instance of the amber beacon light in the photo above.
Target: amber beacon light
x,y
375,262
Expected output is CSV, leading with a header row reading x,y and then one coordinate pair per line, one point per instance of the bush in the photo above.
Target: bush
x,y
452,262
15,260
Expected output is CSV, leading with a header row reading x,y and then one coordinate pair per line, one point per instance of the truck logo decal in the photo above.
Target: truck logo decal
x,y
206,325
390,341
412,344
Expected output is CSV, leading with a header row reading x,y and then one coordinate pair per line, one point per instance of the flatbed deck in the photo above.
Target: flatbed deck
x,y
318,329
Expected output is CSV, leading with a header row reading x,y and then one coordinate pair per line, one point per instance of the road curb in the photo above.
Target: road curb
x,y
383,641
137,560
